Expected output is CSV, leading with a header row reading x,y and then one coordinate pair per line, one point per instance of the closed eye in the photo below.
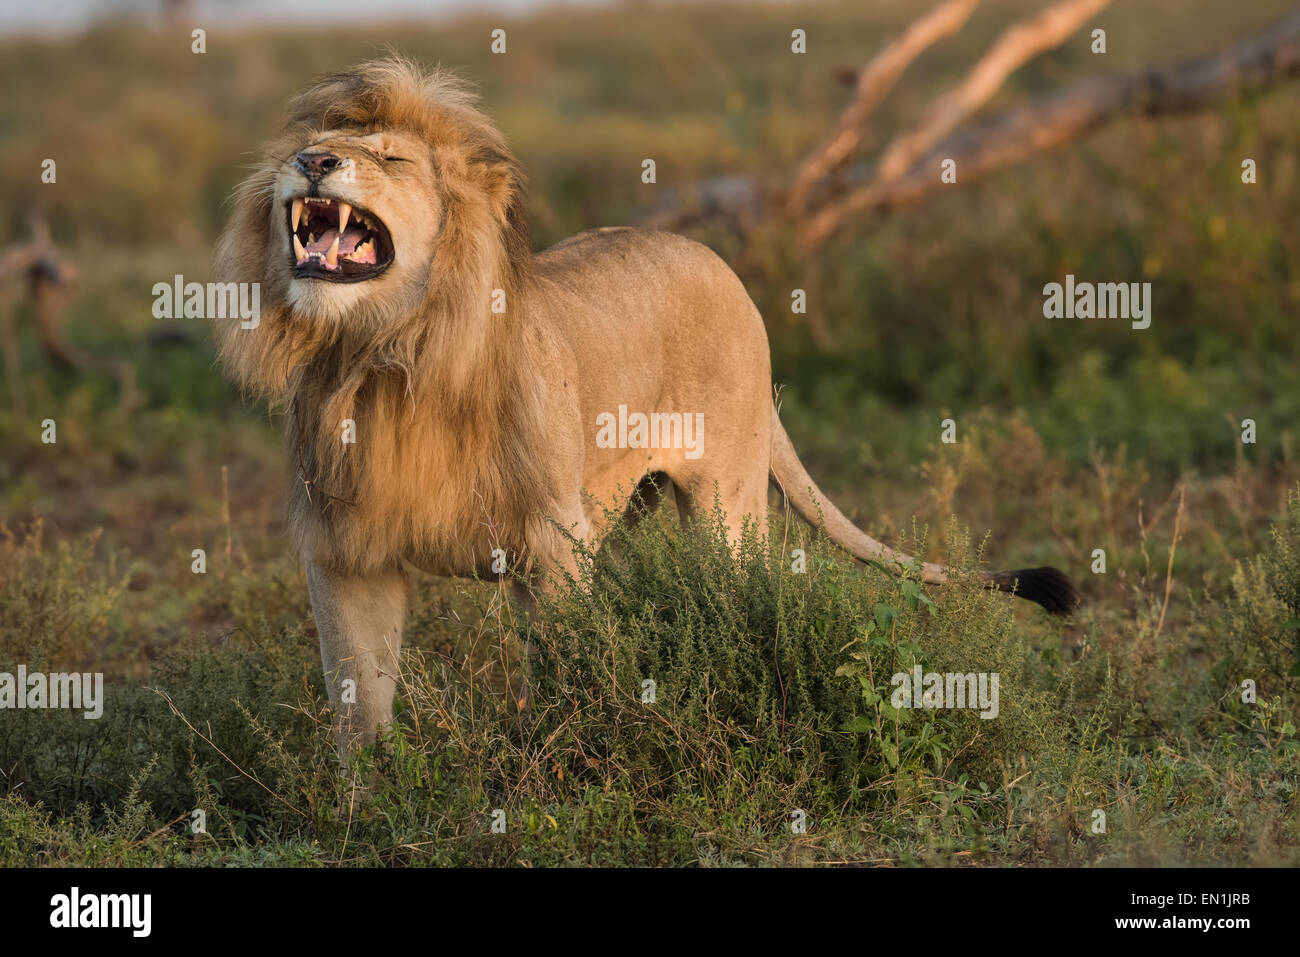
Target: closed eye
x,y
382,157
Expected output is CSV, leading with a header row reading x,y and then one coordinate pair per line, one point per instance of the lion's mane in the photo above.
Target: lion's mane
x,y
443,396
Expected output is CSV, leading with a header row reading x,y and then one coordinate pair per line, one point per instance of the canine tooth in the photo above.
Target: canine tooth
x,y
332,257
345,210
299,253
311,237
297,213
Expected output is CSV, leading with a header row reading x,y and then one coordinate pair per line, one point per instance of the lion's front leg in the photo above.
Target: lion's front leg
x,y
359,619
556,562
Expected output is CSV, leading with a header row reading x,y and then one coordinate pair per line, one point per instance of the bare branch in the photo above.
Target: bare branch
x,y
1267,57
874,81
22,258
50,280
1017,45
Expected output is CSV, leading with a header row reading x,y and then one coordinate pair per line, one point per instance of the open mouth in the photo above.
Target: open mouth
x,y
336,241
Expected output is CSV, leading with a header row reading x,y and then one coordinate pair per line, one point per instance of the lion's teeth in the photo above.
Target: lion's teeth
x,y
299,253
332,257
345,210
297,213
311,238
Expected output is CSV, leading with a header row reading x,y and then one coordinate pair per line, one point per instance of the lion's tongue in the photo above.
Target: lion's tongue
x,y
354,237
348,242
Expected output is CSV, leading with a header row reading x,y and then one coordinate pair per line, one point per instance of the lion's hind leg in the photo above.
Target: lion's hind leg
x,y
743,503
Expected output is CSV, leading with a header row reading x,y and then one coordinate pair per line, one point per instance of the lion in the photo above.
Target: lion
x,y
451,397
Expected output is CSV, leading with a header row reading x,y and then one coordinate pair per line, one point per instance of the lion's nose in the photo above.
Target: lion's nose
x,y
316,165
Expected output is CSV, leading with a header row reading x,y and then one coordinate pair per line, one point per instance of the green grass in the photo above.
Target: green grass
x,y
772,688
771,693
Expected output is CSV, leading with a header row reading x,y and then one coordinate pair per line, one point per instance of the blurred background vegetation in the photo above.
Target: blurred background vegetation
x,y
1074,435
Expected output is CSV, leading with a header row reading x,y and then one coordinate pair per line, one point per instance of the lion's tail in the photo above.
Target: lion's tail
x,y
1046,586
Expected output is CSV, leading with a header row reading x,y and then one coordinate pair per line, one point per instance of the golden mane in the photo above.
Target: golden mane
x,y
464,475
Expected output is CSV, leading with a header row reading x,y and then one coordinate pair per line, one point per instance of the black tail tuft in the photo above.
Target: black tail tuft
x,y
1045,586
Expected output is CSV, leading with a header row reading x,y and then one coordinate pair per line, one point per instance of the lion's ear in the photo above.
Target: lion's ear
x,y
501,180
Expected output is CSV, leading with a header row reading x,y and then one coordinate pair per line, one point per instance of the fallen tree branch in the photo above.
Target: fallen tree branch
x,y
1270,56
874,81
50,279
1267,57
1017,45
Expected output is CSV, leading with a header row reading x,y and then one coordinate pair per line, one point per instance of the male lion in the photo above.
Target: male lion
x,y
449,393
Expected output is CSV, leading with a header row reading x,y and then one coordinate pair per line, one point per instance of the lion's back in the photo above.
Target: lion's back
x,y
628,275
654,317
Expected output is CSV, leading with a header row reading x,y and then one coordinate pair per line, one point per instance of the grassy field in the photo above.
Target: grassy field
x,y
1073,436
